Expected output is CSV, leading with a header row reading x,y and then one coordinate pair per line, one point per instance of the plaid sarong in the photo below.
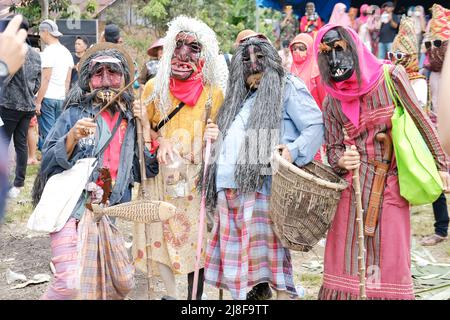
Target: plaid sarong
x,y
105,270
244,250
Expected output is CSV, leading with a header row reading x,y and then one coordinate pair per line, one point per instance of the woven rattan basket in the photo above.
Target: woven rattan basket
x,y
303,202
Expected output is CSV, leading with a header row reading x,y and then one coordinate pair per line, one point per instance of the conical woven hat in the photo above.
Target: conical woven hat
x,y
407,42
440,23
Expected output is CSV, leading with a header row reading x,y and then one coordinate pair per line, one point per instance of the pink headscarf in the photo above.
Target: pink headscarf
x,y
308,68
348,91
362,18
339,16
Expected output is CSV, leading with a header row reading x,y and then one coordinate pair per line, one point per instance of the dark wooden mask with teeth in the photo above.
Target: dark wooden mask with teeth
x,y
338,54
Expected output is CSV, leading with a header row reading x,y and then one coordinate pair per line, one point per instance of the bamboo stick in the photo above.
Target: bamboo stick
x,y
117,96
361,250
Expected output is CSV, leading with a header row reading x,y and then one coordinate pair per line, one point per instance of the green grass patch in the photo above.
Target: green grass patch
x,y
20,209
422,222
311,280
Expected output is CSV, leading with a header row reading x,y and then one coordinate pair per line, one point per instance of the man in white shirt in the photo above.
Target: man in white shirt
x,y
57,64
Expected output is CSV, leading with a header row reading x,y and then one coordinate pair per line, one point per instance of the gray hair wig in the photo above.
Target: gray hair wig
x,y
264,123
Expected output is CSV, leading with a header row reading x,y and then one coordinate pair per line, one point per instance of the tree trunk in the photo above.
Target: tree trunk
x,y
44,9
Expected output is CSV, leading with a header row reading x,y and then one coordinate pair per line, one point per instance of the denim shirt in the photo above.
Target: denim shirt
x,y
55,159
302,132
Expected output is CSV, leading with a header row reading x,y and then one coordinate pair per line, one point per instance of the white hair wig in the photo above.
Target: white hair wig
x,y
209,53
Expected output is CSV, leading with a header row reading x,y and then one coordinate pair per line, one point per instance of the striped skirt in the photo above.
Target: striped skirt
x,y
64,258
244,250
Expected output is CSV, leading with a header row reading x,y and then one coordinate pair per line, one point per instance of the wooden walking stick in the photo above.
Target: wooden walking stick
x,y
361,250
201,225
142,192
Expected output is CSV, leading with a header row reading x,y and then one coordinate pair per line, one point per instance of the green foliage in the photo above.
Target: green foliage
x,y
59,6
227,17
156,10
91,7
29,9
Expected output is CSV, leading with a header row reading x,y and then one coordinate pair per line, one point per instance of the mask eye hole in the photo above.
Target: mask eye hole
x,y
324,48
196,47
340,45
99,71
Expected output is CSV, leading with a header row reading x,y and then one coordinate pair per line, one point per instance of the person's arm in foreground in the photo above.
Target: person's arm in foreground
x,y
444,105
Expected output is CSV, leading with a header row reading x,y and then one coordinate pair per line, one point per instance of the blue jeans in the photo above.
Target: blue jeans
x,y
441,216
51,109
383,49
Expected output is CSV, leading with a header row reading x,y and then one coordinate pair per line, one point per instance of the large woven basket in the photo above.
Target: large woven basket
x,y
303,202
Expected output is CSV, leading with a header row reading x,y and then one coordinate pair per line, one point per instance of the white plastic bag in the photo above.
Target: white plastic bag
x,y
60,196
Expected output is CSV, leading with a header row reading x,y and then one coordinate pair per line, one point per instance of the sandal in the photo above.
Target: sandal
x,y
432,240
261,291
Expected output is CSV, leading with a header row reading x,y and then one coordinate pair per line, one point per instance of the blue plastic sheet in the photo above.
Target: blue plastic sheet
x,y
323,8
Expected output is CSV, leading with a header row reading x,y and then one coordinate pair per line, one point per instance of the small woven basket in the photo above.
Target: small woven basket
x,y
303,202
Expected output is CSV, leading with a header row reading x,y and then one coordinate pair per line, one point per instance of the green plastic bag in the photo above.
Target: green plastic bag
x,y
418,176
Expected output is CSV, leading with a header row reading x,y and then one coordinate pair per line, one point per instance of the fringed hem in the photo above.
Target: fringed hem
x,y
333,294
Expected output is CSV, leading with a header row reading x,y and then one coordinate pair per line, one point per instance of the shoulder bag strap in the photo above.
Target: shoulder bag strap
x,y
170,116
391,88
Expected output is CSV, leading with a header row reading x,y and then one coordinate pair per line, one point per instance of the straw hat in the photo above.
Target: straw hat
x,y
246,34
108,46
153,50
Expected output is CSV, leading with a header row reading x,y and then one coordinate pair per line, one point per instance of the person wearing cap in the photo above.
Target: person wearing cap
x,y
111,34
13,50
388,30
150,68
57,64
81,45
17,109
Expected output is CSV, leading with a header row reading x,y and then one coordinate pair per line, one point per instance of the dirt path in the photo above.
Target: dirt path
x,y
29,254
